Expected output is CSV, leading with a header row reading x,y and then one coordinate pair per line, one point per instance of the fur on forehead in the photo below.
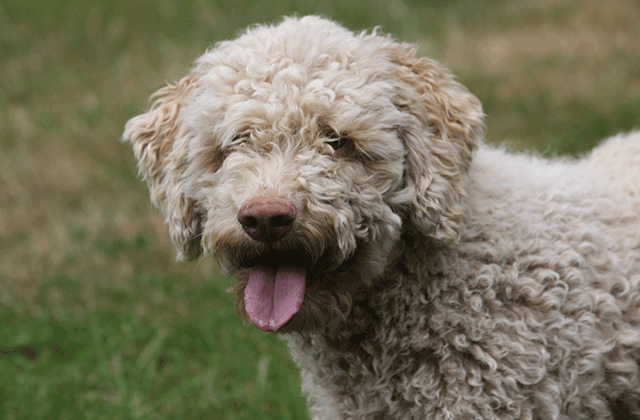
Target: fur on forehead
x,y
285,77
311,42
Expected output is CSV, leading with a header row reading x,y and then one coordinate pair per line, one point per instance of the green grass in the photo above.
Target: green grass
x,y
97,321
121,366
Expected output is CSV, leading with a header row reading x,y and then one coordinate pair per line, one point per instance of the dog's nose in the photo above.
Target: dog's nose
x,y
267,219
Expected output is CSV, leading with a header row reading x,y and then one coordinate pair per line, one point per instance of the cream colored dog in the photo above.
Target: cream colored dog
x,y
417,273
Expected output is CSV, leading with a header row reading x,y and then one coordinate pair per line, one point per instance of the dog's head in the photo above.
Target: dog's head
x,y
297,155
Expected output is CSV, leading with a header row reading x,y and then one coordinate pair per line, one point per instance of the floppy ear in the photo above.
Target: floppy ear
x,y
445,125
159,142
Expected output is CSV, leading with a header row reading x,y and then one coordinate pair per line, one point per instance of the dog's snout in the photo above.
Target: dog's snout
x,y
267,219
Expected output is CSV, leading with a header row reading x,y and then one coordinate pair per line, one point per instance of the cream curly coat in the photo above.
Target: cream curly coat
x,y
417,273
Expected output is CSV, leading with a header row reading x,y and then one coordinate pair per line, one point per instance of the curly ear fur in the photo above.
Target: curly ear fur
x,y
159,143
445,126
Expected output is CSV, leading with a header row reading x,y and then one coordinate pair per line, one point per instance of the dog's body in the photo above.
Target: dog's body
x,y
418,274
531,314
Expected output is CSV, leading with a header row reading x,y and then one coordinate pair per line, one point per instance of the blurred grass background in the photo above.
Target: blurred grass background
x,y
97,321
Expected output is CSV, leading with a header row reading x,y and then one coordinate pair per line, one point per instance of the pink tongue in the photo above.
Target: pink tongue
x,y
273,296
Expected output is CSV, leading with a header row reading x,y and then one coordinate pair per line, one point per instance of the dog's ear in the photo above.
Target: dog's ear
x,y
445,123
159,142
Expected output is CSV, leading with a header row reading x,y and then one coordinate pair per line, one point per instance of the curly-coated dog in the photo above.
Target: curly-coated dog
x,y
417,273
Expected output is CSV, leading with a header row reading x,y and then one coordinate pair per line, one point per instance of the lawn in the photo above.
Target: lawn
x,y
97,320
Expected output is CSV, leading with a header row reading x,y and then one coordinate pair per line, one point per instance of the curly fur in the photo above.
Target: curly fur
x,y
446,279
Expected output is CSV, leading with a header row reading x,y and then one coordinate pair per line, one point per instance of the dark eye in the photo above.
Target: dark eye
x,y
335,140
338,143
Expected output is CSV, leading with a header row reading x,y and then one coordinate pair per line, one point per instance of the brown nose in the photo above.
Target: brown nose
x,y
267,218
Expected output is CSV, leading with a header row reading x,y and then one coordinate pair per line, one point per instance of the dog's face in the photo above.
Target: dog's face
x,y
298,154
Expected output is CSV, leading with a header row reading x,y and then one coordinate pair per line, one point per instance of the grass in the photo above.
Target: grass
x,y
97,321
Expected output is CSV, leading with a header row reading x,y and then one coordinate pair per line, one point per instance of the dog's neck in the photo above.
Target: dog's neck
x,y
409,260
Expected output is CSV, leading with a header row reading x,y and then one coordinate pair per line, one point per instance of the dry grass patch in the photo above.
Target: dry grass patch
x,y
567,54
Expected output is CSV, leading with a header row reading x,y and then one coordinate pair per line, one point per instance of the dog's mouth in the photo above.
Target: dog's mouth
x,y
275,288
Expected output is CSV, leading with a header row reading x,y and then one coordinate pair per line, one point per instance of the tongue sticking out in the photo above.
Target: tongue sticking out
x,y
273,296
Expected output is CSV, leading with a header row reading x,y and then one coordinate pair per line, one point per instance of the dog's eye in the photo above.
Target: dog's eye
x,y
335,140
337,144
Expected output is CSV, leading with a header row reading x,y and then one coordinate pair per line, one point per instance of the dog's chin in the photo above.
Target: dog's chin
x,y
321,304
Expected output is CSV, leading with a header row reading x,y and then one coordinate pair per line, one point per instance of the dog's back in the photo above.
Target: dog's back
x,y
617,162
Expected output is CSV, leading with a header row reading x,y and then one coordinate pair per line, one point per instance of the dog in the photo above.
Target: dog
x,y
416,272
